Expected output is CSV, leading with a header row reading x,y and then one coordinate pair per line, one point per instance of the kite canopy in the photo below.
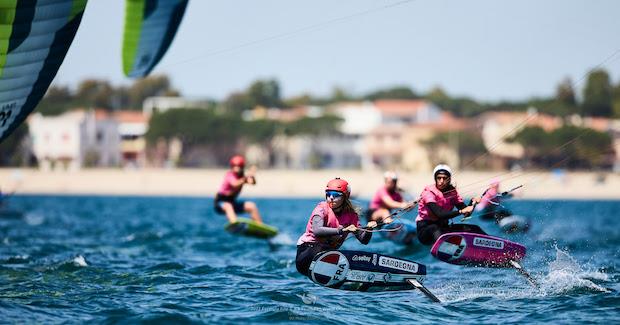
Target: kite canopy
x,y
150,26
34,38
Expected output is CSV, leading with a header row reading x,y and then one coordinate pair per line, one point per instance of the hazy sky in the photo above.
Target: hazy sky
x,y
489,50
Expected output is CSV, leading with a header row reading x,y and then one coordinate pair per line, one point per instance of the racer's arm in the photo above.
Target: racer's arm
x,y
447,214
393,204
318,228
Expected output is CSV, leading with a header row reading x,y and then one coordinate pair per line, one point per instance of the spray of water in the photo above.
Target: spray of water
x,y
566,275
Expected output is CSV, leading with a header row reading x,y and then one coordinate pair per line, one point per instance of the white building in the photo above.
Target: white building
x,y
132,127
359,119
407,112
162,104
75,139
311,152
376,128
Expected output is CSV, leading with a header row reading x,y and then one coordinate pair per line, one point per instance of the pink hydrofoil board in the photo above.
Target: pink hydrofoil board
x,y
464,248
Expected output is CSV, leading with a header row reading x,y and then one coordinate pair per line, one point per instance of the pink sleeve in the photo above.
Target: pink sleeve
x,y
230,177
428,197
319,210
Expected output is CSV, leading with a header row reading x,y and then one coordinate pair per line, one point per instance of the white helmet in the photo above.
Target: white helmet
x,y
390,175
442,168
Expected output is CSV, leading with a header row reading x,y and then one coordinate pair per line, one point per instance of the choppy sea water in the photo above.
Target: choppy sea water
x,y
168,260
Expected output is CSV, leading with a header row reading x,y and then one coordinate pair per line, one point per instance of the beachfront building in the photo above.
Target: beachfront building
x,y
420,156
396,112
161,104
75,139
334,151
497,127
359,120
285,115
132,126
606,125
396,140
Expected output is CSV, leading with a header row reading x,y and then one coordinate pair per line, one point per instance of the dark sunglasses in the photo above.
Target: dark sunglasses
x,y
333,194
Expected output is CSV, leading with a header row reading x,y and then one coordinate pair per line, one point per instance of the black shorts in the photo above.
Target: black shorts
x,y
305,254
429,232
238,206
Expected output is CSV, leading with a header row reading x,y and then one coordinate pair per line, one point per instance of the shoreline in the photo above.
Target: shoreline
x,y
297,183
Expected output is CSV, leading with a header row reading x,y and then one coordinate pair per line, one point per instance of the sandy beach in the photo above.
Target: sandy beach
x,y
296,183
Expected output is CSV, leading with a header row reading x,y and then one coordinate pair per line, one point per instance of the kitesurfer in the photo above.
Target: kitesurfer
x,y
226,201
490,207
437,206
386,198
329,225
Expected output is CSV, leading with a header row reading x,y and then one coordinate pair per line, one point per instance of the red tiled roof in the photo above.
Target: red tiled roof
x,y
601,124
400,107
545,121
130,117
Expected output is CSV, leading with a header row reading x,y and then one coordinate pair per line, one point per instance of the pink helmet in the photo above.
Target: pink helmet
x,y
237,161
339,185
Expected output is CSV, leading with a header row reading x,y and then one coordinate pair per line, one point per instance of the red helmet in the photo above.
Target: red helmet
x,y
339,185
237,161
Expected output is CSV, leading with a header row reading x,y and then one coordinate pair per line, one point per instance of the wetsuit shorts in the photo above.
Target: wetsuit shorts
x,y
305,254
429,231
238,206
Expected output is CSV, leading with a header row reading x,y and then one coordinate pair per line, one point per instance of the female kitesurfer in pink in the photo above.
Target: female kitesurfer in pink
x,y
436,206
490,207
386,198
226,199
330,223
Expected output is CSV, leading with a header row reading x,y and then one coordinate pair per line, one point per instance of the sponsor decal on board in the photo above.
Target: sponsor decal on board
x,y
361,276
329,269
397,264
361,258
451,248
488,243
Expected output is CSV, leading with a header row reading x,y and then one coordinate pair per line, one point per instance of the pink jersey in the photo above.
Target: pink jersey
x,y
488,197
330,220
226,189
377,200
446,201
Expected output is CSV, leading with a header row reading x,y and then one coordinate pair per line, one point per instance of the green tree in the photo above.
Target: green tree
x,y
149,87
327,124
94,93
535,141
568,146
616,100
265,93
463,106
469,145
237,103
301,100
565,94
597,95
57,100
399,92
340,94
11,153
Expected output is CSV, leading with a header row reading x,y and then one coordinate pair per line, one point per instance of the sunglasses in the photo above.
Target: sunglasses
x,y
333,194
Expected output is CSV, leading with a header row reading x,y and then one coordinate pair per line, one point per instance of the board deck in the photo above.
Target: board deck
x,y
250,228
463,248
400,231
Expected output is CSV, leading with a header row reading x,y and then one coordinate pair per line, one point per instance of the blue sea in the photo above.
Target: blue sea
x,y
105,259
